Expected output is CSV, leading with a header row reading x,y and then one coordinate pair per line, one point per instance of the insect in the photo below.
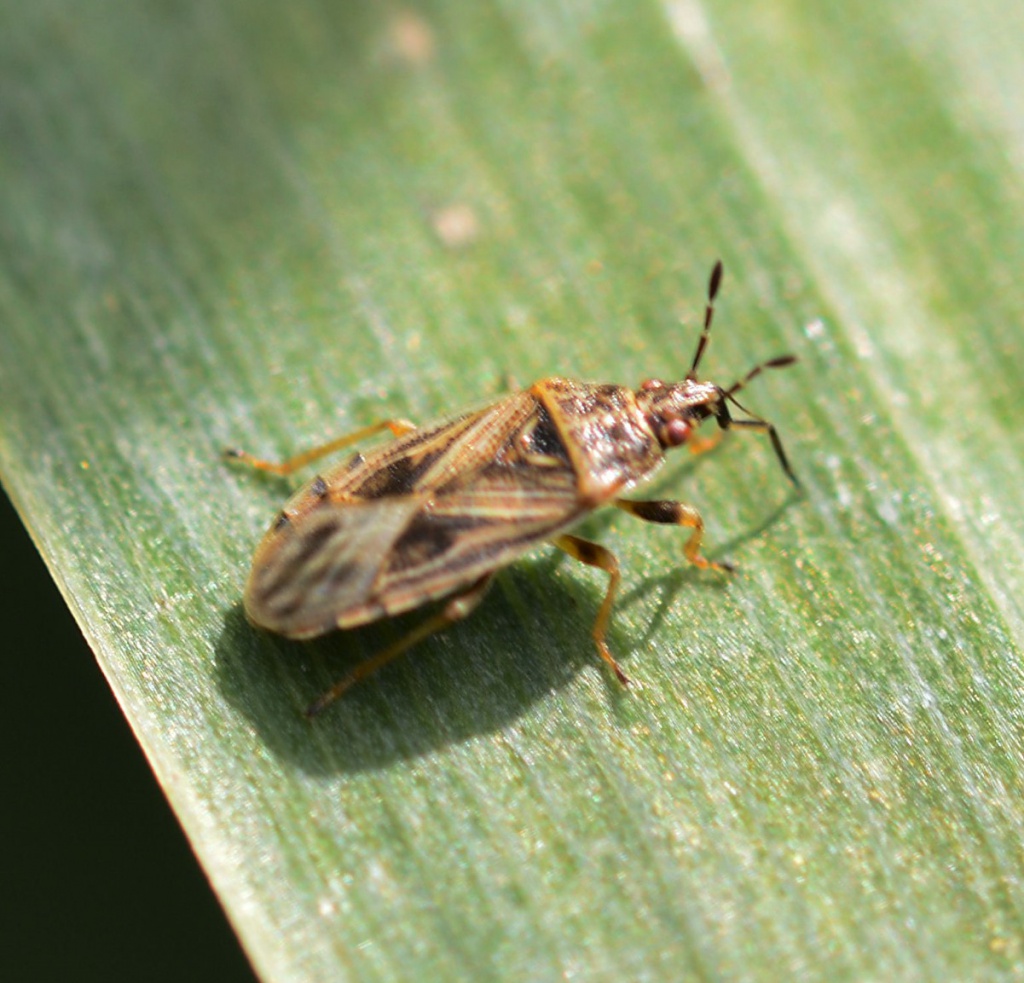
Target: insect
x,y
435,512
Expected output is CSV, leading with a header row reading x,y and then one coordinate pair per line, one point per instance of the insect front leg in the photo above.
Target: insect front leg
x,y
396,426
756,423
458,607
676,514
701,445
595,555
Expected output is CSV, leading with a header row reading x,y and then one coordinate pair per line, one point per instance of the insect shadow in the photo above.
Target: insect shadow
x,y
530,637
673,580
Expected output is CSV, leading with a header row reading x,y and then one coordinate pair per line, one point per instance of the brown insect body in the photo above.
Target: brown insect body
x,y
434,512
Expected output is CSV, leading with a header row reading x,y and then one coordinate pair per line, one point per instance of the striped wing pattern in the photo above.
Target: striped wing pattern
x,y
414,520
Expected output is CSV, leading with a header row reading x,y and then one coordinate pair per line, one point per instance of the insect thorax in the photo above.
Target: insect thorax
x,y
605,433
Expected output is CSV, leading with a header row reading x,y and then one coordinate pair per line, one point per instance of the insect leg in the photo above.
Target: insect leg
x,y
677,514
595,555
756,423
457,608
701,445
396,426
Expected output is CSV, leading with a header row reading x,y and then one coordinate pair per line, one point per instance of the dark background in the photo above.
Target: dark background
x,y
100,880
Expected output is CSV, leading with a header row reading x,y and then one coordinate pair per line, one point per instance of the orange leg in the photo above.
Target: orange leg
x,y
457,608
397,427
677,514
701,445
604,559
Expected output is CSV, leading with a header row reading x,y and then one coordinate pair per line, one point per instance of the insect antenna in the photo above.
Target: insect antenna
x,y
779,362
709,312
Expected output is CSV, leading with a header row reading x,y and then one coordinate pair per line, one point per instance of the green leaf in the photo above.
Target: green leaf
x,y
263,225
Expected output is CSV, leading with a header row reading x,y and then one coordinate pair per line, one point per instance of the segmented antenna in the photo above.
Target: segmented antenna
x,y
709,312
779,362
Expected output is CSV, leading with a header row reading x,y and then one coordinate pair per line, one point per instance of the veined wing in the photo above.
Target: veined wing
x,y
429,458
414,520
311,569
469,530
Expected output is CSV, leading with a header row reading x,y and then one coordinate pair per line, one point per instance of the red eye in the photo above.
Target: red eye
x,y
677,432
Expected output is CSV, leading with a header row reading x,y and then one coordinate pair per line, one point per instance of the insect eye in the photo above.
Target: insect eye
x,y
649,384
677,432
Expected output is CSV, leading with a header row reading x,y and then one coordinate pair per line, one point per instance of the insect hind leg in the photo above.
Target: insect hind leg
x,y
595,555
458,607
396,426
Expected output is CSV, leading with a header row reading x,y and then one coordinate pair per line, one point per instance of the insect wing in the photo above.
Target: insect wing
x,y
318,567
463,533
414,520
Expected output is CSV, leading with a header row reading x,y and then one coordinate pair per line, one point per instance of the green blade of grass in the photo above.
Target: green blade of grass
x,y
232,225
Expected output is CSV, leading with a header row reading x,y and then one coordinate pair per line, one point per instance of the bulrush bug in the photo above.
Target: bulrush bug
x,y
435,512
